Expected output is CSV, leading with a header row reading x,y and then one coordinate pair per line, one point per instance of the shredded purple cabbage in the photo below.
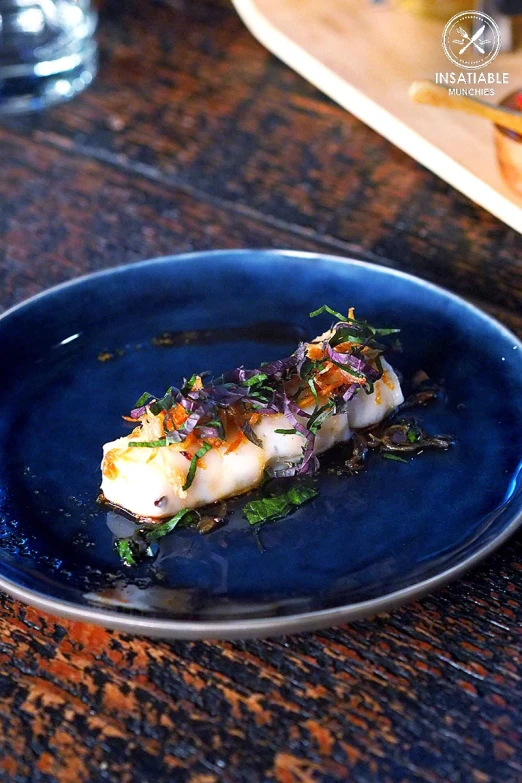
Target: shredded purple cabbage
x,y
353,362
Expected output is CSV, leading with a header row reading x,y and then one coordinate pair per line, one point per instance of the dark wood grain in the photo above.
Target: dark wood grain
x,y
194,137
187,97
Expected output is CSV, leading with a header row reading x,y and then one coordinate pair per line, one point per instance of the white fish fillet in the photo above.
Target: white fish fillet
x,y
148,481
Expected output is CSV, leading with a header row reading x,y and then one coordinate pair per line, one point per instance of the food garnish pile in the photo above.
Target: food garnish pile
x,y
212,439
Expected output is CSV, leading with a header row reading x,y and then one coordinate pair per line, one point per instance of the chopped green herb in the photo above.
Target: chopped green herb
x,y
147,444
412,436
395,458
286,432
262,393
384,332
124,549
266,509
348,369
326,309
143,399
299,495
255,379
348,334
309,367
164,403
189,385
311,384
183,518
319,416
194,464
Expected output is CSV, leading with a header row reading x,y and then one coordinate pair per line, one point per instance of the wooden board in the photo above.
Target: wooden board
x,y
365,57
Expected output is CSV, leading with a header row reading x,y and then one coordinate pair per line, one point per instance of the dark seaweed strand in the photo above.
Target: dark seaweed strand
x,y
395,436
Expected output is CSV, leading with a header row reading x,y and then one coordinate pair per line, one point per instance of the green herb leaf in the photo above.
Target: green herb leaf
x,y
384,332
147,444
266,509
310,367
259,378
189,385
164,403
185,517
194,464
311,384
299,495
124,549
319,416
286,432
326,309
412,436
395,458
143,399
350,334
348,369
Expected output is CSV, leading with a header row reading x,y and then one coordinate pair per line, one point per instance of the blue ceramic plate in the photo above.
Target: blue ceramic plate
x,y
78,356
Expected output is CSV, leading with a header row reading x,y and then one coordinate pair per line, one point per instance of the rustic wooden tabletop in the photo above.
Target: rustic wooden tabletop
x,y
193,137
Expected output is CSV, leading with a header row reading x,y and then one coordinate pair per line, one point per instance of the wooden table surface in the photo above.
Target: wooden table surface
x,y
193,137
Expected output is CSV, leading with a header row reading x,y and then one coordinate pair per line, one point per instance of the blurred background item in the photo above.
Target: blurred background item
x,y
508,145
440,9
47,52
506,13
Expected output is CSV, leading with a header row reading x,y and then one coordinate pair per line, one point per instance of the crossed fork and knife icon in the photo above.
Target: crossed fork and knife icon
x,y
474,40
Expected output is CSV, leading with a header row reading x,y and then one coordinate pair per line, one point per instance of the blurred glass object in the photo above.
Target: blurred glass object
x,y
47,52
440,9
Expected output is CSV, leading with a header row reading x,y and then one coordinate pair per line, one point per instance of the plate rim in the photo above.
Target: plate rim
x,y
272,625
